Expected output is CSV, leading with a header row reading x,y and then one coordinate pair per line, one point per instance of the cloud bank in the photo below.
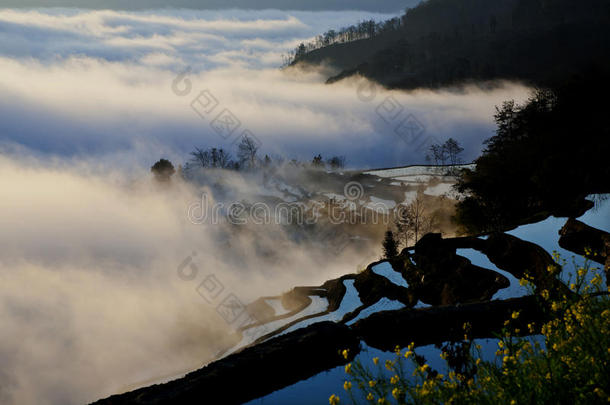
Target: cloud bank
x,y
93,297
99,83
89,297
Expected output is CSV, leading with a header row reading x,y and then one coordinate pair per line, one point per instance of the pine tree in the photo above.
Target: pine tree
x,y
390,247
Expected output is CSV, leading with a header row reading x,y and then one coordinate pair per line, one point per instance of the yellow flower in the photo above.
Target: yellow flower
x,y
381,401
582,272
372,383
513,402
515,314
347,386
389,365
397,350
345,354
348,368
396,393
408,354
597,280
555,306
478,362
411,346
523,282
333,400
530,327
376,360
444,355
545,294
370,396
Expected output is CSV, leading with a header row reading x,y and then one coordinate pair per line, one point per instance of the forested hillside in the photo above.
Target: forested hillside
x,y
444,42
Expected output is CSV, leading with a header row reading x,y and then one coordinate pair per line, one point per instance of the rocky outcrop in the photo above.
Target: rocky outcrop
x,y
584,240
373,287
519,257
440,277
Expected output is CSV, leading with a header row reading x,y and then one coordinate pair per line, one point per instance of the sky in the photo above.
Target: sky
x,y
392,6
90,303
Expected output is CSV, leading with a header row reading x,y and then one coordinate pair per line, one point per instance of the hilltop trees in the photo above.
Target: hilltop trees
x,y
362,30
317,162
445,153
163,170
336,162
212,158
247,151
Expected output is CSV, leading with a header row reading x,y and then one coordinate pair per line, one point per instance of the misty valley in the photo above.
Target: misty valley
x,y
305,203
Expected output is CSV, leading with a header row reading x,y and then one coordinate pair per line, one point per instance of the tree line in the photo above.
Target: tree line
x,y
247,158
362,30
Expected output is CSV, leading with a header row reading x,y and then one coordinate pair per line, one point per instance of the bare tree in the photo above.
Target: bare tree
x,y
413,221
438,153
215,158
453,151
246,152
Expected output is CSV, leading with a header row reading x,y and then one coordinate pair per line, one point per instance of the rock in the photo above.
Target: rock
x,y
373,287
441,277
577,236
517,257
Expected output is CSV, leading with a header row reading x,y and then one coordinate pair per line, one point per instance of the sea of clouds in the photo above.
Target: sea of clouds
x,y
99,84
90,301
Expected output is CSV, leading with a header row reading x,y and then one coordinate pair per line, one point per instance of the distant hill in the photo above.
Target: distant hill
x,y
444,42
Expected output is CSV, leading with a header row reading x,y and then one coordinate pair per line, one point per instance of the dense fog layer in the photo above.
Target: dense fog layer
x,y
92,298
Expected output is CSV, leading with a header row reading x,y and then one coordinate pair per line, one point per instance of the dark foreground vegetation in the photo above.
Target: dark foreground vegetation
x,y
546,157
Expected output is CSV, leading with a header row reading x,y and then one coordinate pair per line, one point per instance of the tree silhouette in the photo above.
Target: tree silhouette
x,y
163,170
336,162
390,246
246,152
453,151
317,162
